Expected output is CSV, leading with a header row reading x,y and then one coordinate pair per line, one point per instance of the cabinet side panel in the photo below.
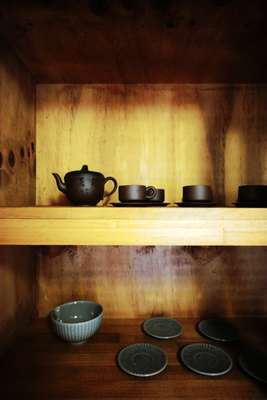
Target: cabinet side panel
x,y
17,188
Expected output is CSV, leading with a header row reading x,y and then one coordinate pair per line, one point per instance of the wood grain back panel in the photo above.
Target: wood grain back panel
x,y
163,135
246,140
137,282
167,136
17,187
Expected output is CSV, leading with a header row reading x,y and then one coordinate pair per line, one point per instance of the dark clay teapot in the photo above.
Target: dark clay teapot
x,y
84,187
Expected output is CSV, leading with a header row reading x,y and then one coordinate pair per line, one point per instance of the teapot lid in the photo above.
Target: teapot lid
x,y
83,170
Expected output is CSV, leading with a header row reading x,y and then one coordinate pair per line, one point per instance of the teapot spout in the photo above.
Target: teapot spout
x,y
61,185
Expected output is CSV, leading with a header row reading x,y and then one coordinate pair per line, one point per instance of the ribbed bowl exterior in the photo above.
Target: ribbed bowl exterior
x,y
77,332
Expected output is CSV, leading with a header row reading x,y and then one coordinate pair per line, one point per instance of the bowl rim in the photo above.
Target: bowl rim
x,y
76,323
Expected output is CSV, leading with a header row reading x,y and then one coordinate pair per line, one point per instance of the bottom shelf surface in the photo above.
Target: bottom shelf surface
x,y
41,366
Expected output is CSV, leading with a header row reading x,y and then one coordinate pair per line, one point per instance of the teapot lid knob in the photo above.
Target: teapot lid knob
x,y
84,168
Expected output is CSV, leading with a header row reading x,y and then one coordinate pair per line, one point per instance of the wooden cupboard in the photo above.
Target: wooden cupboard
x,y
152,93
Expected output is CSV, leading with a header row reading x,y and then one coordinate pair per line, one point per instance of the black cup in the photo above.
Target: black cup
x,y
252,194
131,193
196,193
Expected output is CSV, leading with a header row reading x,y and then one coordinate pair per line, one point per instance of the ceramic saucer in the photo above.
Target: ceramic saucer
x,y
206,359
254,362
142,360
218,329
162,328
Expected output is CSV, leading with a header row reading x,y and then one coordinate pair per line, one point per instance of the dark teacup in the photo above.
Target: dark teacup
x,y
197,193
136,193
252,193
159,196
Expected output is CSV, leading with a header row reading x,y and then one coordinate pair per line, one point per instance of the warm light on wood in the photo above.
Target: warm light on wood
x,y
163,135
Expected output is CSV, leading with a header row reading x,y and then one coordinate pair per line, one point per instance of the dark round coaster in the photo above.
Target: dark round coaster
x,y
254,363
206,359
218,329
162,328
142,360
196,204
141,204
250,204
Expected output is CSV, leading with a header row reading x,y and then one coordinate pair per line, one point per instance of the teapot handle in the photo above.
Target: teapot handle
x,y
109,178
151,192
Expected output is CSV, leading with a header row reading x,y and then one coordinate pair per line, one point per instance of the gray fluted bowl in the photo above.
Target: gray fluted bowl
x,y
77,321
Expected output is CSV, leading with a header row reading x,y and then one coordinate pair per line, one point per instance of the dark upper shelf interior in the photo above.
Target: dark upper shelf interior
x,y
139,41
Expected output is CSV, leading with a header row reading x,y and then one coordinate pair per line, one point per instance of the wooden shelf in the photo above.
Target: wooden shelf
x,y
40,366
133,226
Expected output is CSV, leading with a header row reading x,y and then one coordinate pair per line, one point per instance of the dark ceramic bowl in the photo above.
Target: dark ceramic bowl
x,y
129,193
197,193
77,321
252,193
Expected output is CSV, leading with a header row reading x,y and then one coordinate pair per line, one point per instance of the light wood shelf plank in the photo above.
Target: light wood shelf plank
x,y
133,226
